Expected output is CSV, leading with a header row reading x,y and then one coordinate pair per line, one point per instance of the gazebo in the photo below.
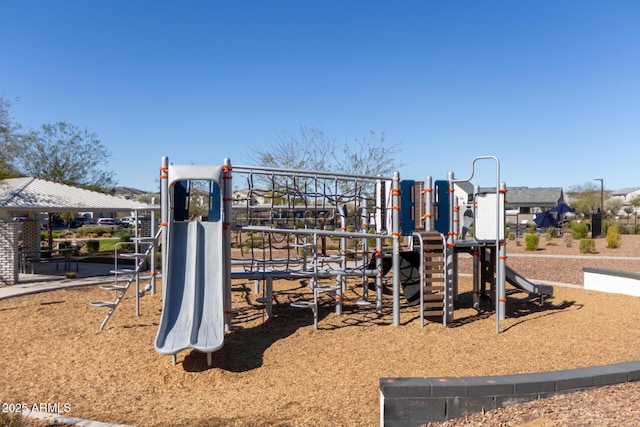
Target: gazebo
x,y
30,196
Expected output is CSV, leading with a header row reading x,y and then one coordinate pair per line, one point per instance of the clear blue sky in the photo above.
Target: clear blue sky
x,y
552,88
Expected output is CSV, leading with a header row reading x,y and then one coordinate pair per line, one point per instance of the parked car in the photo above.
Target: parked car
x,y
121,223
131,220
107,221
77,222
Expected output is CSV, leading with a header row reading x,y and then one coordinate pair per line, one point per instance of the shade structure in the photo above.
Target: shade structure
x,y
561,208
544,220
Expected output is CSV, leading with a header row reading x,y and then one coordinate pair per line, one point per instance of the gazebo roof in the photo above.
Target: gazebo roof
x,y
30,194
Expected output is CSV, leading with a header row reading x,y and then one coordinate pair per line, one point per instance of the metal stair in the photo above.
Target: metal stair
x,y
132,276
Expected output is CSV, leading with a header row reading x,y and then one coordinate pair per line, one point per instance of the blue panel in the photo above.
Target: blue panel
x,y
407,204
441,207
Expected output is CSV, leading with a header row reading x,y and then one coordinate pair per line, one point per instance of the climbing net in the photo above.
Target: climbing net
x,y
280,216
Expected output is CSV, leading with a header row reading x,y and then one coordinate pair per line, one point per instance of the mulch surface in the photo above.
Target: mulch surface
x,y
283,371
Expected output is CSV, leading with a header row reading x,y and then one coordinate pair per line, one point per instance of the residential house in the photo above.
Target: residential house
x,y
627,196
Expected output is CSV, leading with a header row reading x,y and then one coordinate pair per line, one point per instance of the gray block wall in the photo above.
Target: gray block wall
x,y
408,402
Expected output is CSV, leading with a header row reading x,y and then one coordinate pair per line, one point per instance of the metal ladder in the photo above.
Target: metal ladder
x,y
133,277
434,275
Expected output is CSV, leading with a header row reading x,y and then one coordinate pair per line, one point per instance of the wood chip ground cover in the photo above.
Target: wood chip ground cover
x,y
283,372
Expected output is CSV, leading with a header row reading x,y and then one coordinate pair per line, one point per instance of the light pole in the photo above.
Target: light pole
x,y
601,194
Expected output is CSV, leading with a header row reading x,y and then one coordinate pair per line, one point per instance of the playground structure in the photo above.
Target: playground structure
x,y
283,227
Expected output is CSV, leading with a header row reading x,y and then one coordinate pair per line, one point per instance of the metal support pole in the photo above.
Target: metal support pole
x,y
475,252
428,204
421,241
343,251
501,252
227,197
381,206
451,234
365,253
154,249
164,219
395,233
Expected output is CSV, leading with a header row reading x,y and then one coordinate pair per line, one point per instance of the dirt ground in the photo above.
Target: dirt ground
x,y
282,371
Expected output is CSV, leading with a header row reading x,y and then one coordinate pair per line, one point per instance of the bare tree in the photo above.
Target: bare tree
x,y
312,149
370,155
308,149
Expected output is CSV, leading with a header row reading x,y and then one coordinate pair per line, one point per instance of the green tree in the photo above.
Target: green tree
x,y
11,141
613,205
63,153
585,198
628,210
635,202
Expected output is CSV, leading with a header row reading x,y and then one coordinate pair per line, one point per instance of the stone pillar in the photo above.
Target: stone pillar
x,y
9,252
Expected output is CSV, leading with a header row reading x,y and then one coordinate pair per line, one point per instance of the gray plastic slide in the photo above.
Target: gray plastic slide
x,y
193,307
520,282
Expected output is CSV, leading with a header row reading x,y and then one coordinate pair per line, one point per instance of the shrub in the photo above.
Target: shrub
x,y
64,245
568,240
511,235
531,241
604,226
587,246
93,246
613,237
579,230
550,233
124,235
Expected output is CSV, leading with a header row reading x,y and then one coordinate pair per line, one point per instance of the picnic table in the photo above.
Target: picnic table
x,y
65,255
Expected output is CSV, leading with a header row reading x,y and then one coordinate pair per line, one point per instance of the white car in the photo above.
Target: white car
x,y
107,221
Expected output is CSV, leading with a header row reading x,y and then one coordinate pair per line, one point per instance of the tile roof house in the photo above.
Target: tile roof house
x,y
529,200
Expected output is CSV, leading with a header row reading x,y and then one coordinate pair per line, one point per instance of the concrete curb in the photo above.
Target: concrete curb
x,y
37,287
70,420
408,402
